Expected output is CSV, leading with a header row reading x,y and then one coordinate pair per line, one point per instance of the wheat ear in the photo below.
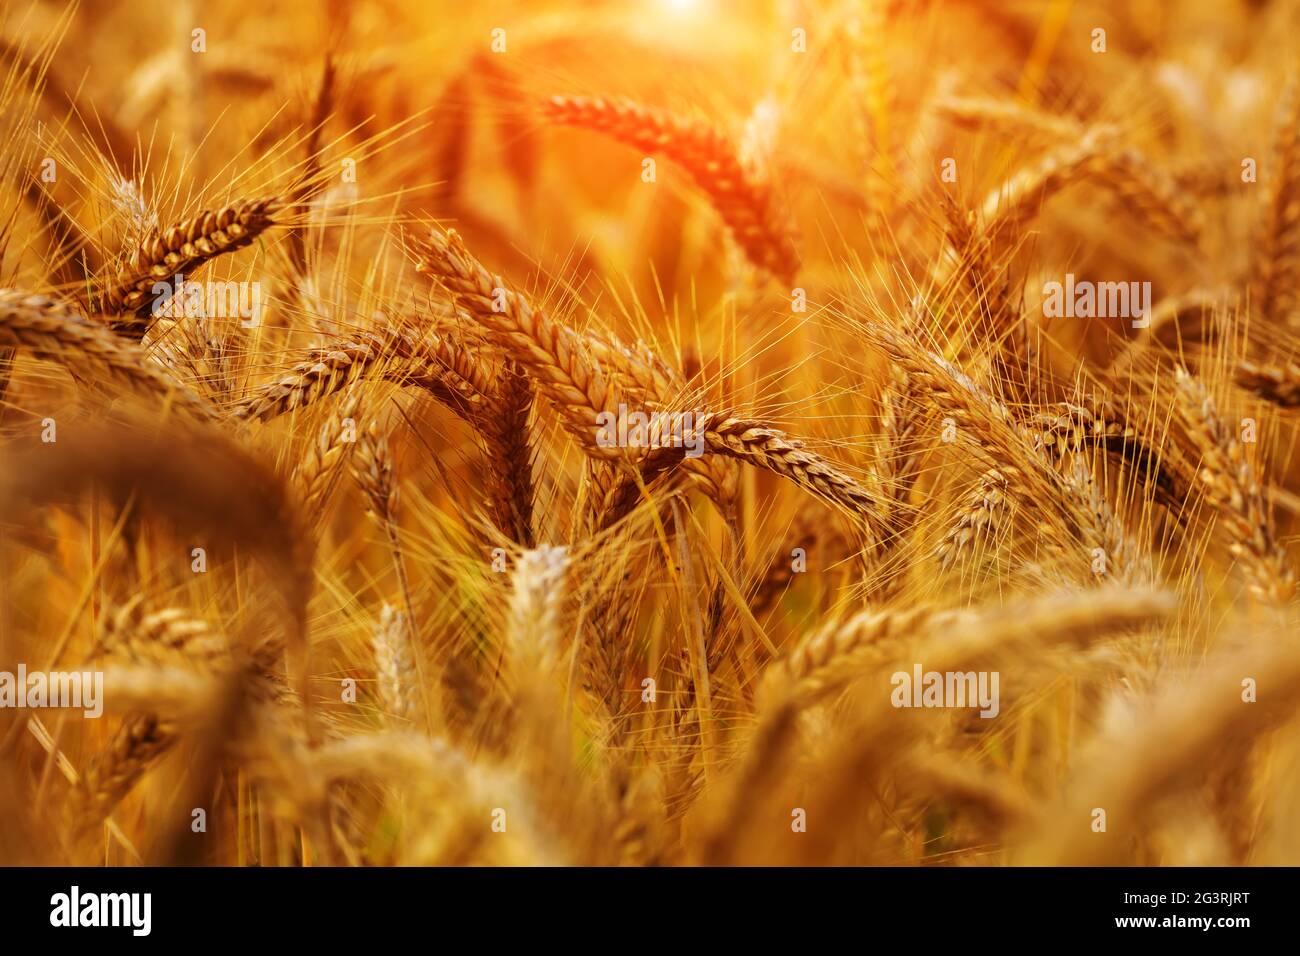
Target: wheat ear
x,y
169,635
978,521
53,332
372,465
756,443
1232,485
137,744
745,201
840,651
563,365
317,473
433,363
129,294
1277,242
395,672
981,113
1124,171
1276,383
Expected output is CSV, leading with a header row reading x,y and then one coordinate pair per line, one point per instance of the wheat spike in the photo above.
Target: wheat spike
x,y
746,203
178,250
1276,259
1279,383
53,332
1230,482
978,521
395,671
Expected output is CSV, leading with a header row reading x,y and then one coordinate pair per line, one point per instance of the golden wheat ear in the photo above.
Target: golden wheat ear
x,y
1160,747
1233,486
746,202
51,331
395,672
129,294
556,357
1276,261
582,376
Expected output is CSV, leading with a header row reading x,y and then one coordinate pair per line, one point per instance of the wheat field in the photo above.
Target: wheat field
x,y
530,433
